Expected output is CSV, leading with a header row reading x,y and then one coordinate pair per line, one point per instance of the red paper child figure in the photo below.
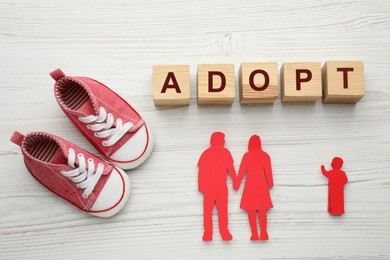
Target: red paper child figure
x,y
337,179
256,164
214,164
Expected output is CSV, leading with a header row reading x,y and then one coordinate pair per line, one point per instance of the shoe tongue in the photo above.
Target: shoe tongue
x,y
86,109
59,157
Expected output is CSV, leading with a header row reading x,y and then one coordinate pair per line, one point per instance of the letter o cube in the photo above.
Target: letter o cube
x,y
258,82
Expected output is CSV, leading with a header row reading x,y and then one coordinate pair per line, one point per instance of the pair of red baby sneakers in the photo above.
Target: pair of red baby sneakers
x,y
94,185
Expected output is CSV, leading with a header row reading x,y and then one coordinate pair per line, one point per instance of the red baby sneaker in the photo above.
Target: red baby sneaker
x,y
115,129
84,180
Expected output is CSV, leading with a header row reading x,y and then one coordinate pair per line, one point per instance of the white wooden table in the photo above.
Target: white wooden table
x,y
117,43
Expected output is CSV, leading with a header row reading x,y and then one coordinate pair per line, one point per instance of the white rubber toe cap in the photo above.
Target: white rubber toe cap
x,y
133,148
113,195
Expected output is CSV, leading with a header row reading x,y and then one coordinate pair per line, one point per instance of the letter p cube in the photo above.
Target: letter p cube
x,y
301,81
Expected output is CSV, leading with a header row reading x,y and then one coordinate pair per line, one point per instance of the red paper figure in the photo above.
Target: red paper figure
x,y
256,164
214,164
337,179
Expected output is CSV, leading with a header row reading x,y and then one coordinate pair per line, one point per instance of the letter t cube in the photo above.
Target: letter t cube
x,y
343,81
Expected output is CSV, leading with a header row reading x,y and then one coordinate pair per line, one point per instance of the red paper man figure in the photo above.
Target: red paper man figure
x,y
256,164
337,180
214,164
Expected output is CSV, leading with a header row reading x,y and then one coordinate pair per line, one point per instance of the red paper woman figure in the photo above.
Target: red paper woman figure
x,y
337,180
256,164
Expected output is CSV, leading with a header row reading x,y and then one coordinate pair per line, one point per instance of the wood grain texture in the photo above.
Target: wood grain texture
x,y
258,82
301,81
345,86
171,85
117,43
216,84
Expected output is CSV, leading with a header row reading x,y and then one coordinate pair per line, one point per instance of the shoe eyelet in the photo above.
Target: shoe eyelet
x,y
95,134
79,155
100,164
89,127
90,160
104,144
85,197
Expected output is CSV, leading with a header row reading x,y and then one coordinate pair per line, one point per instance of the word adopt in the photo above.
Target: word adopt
x,y
335,82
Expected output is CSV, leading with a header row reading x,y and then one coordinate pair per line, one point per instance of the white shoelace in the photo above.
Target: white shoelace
x,y
86,178
103,123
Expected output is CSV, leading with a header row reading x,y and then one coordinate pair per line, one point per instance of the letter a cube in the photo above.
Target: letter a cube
x,y
171,85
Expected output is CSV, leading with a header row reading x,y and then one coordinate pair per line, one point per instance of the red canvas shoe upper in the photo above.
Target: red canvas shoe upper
x,y
102,116
71,172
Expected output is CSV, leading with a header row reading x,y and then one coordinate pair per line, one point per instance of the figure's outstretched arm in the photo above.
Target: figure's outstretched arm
x,y
268,172
324,171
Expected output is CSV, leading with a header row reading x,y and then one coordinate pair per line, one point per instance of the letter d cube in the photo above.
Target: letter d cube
x,y
216,84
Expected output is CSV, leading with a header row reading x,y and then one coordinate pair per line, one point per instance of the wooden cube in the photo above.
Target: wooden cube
x,y
171,85
301,81
343,81
216,84
258,82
